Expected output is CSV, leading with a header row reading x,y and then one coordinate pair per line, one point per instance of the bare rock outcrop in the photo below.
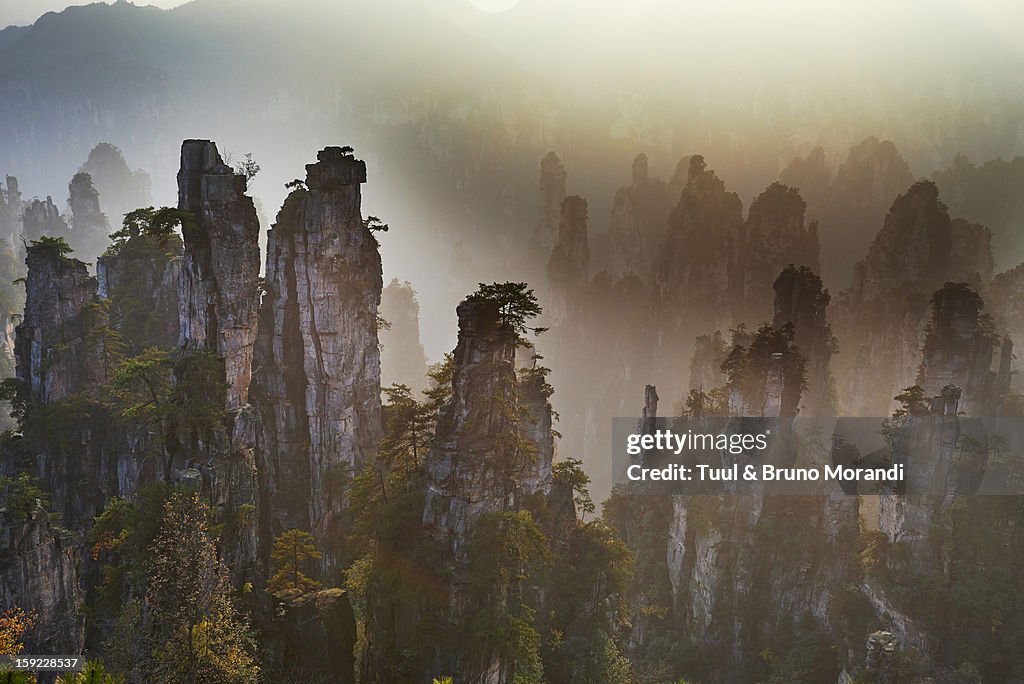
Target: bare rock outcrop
x,y
318,360
638,221
219,296
39,573
492,452
773,235
960,350
89,225
881,318
1005,301
698,256
402,359
43,219
121,188
140,279
801,301
569,265
552,193
10,212
56,355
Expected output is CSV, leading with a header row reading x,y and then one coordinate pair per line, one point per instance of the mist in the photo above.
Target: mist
x,y
452,108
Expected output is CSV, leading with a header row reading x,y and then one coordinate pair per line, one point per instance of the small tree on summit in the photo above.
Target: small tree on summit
x,y
517,304
247,168
292,550
160,224
374,225
55,245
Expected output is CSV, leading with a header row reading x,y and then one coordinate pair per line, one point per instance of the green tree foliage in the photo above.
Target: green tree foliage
x,y
160,225
292,551
591,572
409,431
120,539
517,304
570,474
505,548
196,634
751,358
912,402
56,246
20,497
93,672
375,225
441,377
247,168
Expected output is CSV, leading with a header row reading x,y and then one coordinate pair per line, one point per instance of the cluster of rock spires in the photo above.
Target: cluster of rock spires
x,y
297,381
735,299
923,313
317,404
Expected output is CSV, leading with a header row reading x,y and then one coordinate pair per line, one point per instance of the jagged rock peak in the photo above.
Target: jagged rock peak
x,y
640,172
403,360
10,211
43,218
205,178
473,464
219,297
801,301
913,246
569,265
959,349
335,166
121,189
55,355
90,227
552,192
318,355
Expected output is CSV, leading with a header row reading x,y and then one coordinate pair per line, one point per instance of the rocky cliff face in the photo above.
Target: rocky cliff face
x,y
492,450
552,194
39,574
317,356
864,187
89,225
476,463
569,265
60,361
219,295
402,359
881,317
960,350
10,212
56,355
43,218
141,281
218,304
698,256
121,188
1005,299
638,222
773,236
801,301
813,177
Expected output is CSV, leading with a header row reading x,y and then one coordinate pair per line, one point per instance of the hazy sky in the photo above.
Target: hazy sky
x,y
22,12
